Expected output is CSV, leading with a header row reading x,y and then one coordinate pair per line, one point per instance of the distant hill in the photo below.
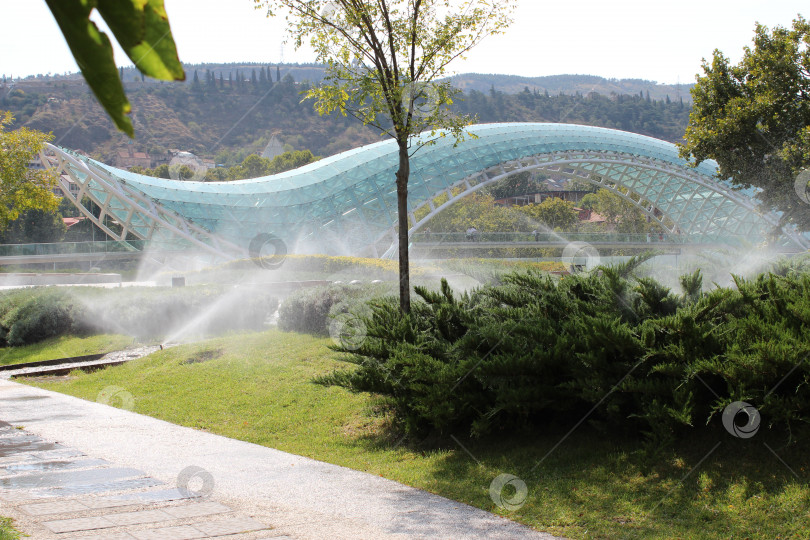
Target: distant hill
x,y
227,111
572,84
508,84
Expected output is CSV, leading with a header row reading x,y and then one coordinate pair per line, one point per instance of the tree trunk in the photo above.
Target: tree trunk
x,y
403,173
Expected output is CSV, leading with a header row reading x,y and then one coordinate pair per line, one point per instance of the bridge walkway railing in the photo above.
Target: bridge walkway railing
x,y
70,248
566,238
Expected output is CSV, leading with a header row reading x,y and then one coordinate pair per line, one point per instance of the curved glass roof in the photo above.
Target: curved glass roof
x,y
350,198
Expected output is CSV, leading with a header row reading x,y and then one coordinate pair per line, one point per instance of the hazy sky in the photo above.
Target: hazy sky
x,y
660,41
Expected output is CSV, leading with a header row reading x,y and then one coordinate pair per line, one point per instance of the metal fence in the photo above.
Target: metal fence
x,y
565,238
69,248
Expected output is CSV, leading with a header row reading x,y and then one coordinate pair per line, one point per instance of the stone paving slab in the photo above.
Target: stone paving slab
x,y
139,517
196,510
22,468
78,524
38,457
57,507
82,489
68,478
106,536
183,532
229,526
156,496
100,503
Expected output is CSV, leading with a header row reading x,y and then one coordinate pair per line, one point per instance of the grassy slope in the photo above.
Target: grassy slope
x,y
259,390
63,347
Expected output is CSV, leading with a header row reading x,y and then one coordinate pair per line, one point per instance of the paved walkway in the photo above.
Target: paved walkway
x,y
76,469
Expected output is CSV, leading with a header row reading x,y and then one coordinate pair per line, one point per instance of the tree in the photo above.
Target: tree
x,y
35,226
383,60
255,166
524,183
291,160
617,211
553,212
480,211
141,28
23,188
754,118
161,171
217,174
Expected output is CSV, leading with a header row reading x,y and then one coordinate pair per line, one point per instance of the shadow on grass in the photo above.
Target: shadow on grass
x,y
592,484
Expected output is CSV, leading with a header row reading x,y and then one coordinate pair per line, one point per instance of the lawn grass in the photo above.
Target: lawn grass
x,y
257,387
63,347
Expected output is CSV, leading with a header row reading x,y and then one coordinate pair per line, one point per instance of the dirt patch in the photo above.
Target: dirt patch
x,y
203,356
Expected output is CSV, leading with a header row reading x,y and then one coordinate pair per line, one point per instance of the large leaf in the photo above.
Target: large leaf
x,y
141,28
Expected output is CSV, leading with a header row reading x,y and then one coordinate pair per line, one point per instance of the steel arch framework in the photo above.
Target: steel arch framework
x,y
346,204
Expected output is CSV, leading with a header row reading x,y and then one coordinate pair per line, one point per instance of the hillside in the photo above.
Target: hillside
x,y
572,84
234,110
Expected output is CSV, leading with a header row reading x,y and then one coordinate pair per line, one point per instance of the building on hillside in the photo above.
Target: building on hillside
x,y
71,221
558,188
274,148
589,216
537,198
126,158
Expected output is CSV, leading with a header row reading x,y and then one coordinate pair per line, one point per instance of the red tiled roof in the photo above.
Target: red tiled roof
x,y
71,221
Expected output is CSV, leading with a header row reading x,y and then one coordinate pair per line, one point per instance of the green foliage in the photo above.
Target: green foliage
x,y
22,188
157,312
554,213
254,166
142,30
479,211
621,350
623,215
753,118
7,530
161,171
34,226
31,315
311,310
524,183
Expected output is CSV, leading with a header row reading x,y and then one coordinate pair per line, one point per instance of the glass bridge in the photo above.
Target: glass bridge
x,y
346,204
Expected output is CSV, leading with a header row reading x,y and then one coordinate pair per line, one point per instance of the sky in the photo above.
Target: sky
x,y
653,40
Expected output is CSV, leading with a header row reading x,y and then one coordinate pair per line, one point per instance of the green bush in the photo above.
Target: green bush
x,y
621,351
31,315
159,312
310,310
